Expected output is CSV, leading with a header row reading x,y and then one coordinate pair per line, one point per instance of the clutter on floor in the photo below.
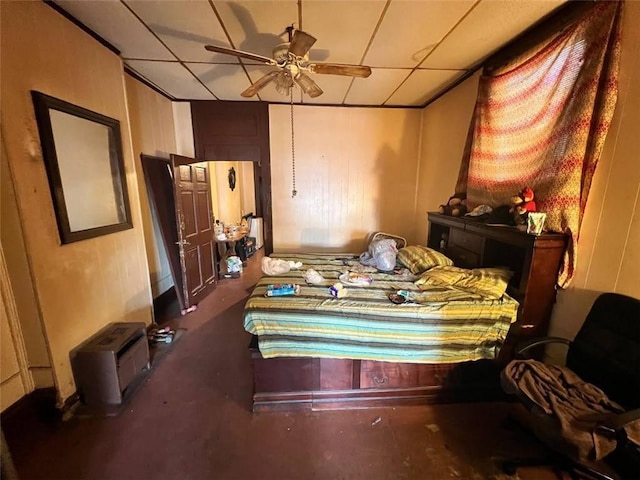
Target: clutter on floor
x,y
161,335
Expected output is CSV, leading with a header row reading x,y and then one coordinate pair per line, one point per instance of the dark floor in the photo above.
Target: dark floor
x,y
192,420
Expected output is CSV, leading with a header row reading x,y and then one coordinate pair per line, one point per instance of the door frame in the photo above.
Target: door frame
x,y
237,131
167,221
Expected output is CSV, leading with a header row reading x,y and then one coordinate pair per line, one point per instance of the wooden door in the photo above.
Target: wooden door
x,y
158,177
195,228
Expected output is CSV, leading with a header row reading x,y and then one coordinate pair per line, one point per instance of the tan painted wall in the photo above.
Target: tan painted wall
x,y
84,285
247,188
229,206
19,273
609,245
152,133
213,177
15,378
183,129
228,203
11,387
355,174
445,124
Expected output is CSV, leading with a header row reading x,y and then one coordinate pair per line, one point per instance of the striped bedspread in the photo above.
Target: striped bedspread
x,y
447,326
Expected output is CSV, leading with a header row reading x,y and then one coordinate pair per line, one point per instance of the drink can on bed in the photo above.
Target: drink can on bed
x,y
280,289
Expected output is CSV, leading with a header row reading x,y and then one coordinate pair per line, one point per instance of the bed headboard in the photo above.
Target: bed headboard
x,y
534,259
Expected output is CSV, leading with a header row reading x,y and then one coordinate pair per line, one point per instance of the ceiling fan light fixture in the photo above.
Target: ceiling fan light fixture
x,y
284,83
307,85
292,61
305,82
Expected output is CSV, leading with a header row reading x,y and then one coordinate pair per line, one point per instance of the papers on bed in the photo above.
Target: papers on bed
x,y
356,279
447,326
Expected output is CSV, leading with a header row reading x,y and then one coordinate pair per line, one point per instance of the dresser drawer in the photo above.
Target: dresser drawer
x,y
387,375
462,257
466,240
404,375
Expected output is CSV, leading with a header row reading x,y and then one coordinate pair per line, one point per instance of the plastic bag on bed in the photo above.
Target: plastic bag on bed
x,y
381,254
277,266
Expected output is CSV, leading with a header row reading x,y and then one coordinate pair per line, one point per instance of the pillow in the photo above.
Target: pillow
x,y
442,276
486,282
419,259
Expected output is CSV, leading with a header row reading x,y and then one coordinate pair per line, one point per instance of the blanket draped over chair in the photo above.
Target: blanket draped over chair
x,y
541,121
559,396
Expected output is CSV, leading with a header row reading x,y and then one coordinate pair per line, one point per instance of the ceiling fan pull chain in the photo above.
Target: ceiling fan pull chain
x,y
294,192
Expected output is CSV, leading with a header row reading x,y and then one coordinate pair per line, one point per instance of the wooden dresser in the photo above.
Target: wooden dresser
x,y
535,261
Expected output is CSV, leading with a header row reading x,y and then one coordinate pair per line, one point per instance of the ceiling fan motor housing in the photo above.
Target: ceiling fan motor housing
x,y
281,52
292,60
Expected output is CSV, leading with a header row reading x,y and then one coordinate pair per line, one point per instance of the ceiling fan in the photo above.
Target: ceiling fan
x,y
292,61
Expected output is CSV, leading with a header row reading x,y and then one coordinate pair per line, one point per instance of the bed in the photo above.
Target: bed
x,y
314,351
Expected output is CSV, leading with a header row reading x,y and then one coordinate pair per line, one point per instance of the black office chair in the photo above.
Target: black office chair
x,y
590,409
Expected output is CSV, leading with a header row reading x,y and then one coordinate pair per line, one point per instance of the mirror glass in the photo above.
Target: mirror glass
x,y
83,156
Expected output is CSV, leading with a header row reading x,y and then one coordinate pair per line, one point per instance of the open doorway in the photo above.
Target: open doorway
x,y
224,131
187,198
234,198
232,202
179,192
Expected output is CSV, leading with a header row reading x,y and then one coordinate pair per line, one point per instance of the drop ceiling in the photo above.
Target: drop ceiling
x,y
415,48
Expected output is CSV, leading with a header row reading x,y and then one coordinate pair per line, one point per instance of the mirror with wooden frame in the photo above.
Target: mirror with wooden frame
x,y
82,151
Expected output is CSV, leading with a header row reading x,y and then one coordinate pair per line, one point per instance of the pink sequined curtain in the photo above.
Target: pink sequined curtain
x,y
541,121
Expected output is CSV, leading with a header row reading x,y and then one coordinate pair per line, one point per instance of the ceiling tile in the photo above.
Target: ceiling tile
x,y
343,28
172,78
255,26
185,27
115,23
408,33
225,81
422,85
377,88
488,27
410,29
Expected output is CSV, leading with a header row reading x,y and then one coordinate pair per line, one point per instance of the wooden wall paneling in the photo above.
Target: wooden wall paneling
x,y
20,274
152,131
238,131
15,379
108,275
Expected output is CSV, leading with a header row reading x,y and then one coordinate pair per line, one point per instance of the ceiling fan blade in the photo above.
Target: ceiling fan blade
x,y
341,69
259,84
241,54
301,43
307,85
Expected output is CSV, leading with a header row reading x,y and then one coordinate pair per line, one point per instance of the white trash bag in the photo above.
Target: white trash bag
x,y
234,264
381,254
277,266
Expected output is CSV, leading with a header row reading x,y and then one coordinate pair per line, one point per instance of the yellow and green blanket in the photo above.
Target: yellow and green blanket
x,y
444,326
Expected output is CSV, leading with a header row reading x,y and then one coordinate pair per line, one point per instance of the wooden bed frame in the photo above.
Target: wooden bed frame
x,y
338,384
329,384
